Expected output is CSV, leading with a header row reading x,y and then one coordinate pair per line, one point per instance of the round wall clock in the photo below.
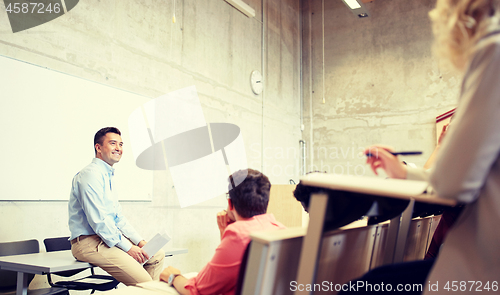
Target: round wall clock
x,y
256,82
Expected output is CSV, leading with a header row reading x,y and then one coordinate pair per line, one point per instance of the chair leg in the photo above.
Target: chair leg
x,y
49,279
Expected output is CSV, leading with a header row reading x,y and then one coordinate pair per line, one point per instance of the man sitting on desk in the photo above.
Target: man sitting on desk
x,y
246,213
100,234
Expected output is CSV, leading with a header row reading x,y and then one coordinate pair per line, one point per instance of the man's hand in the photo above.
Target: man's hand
x,y
382,158
141,244
223,220
167,272
179,282
138,254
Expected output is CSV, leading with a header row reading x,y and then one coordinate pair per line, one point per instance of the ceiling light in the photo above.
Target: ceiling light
x,y
353,4
357,7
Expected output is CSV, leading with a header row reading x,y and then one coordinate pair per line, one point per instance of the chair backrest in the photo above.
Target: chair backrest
x,y
60,244
8,279
274,257
434,224
345,254
57,244
418,235
241,273
379,246
272,261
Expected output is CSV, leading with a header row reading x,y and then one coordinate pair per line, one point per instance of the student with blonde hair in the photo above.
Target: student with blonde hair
x,y
467,168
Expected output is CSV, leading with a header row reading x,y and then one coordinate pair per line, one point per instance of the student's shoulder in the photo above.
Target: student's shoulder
x,y
234,228
237,231
487,50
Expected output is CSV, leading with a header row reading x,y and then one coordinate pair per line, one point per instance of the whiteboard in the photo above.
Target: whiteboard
x,y
47,125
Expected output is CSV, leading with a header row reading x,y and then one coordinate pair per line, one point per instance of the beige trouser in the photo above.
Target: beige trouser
x,y
115,261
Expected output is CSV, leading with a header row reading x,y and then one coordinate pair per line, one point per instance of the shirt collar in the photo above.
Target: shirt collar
x,y
105,166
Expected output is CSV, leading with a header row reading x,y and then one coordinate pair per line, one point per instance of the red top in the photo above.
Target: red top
x,y
219,276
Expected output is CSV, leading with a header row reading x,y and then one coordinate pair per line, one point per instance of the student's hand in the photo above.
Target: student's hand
x,y
167,272
223,220
432,159
443,133
141,244
179,282
381,158
138,254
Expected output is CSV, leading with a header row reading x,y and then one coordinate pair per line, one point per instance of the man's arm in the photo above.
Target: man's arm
x,y
125,227
138,254
223,220
179,281
122,223
128,230
97,208
220,274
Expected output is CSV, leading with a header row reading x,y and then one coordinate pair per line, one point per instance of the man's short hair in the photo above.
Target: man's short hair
x,y
251,194
303,193
99,136
343,207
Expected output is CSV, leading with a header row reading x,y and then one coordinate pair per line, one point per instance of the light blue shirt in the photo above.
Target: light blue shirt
x,y
93,209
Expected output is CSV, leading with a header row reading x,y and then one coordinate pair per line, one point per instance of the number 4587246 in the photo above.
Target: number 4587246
x,y
33,8
471,286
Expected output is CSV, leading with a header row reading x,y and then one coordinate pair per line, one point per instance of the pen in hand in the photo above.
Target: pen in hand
x,y
399,153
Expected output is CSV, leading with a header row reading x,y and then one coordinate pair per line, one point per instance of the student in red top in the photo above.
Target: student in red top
x,y
246,213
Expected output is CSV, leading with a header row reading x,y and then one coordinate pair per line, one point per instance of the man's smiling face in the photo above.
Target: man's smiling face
x,y
111,149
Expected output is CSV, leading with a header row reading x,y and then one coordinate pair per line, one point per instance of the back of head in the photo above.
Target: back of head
x,y
303,192
459,24
249,192
343,207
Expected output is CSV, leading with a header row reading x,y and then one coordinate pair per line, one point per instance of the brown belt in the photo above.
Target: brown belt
x,y
80,238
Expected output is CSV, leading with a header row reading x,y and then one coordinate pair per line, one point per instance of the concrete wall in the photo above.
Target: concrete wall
x,y
381,83
134,45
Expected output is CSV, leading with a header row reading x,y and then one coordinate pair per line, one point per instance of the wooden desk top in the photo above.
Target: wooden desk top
x,y
390,188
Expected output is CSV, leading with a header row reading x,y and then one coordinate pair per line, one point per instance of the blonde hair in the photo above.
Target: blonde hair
x,y
459,24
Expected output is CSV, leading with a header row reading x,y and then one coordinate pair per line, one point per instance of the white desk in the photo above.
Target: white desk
x,y
174,251
39,263
148,288
388,188
50,262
